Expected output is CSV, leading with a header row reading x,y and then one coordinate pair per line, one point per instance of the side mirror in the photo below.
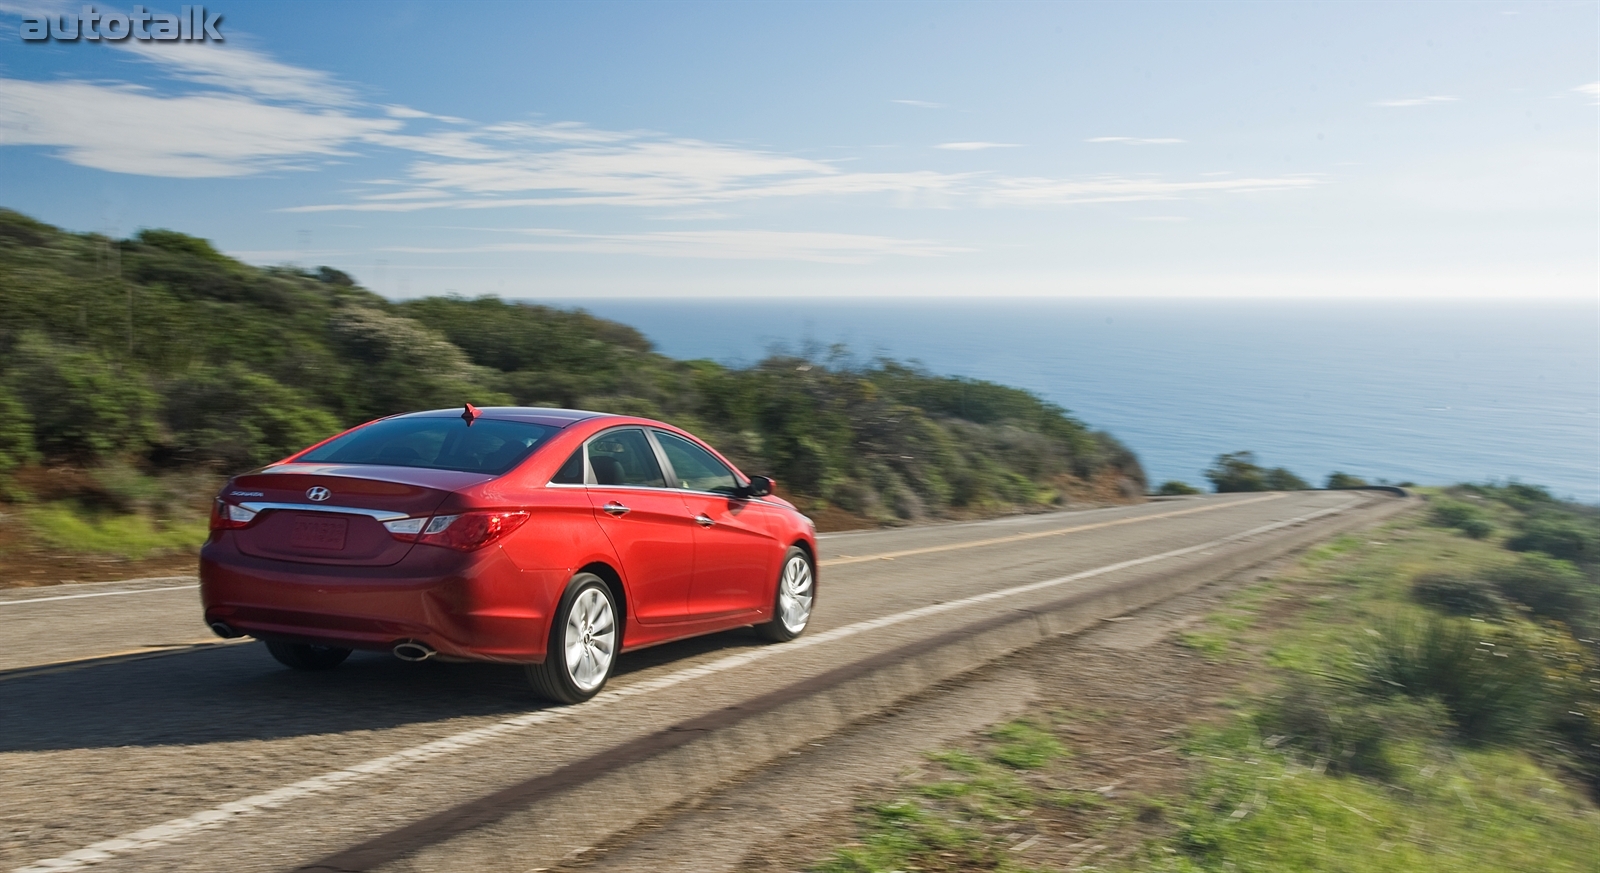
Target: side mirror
x,y
760,486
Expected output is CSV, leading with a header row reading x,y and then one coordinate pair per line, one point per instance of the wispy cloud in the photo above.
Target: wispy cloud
x,y
1592,89
124,129
1117,189
242,71
1416,101
408,112
976,146
834,248
512,165
1136,140
920,104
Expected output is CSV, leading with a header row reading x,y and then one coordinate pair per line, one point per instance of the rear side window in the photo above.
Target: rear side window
x,y
571,473
437,444
624,457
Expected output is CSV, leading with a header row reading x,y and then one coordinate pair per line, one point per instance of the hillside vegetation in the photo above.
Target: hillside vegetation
x,y
1421,696
135,372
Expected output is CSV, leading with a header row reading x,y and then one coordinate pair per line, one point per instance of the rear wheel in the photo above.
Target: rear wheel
x,y
791,606
303,656
584,638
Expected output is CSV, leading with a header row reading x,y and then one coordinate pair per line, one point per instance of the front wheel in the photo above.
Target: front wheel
x,y
791,606
303,656
583,643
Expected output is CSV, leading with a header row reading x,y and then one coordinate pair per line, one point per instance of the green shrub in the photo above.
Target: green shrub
x,y
1349,731
1174,488
1563,536
1548,587
1338,480
1457,594
1464,517
1491,686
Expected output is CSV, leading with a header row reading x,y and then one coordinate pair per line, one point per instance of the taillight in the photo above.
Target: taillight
x,y
412,529
464,532
227,516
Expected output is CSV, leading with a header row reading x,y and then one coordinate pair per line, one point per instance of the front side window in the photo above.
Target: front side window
x,y
697,469
624,457
435,443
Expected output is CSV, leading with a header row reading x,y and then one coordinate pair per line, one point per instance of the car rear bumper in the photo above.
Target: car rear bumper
x,y
478,606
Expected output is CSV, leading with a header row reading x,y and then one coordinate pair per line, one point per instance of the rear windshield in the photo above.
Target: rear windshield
x,y
436,443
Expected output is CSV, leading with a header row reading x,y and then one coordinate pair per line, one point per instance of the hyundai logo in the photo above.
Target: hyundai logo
x,y
318,493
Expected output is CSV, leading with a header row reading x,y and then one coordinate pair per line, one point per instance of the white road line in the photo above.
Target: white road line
x,y
96,594
179,828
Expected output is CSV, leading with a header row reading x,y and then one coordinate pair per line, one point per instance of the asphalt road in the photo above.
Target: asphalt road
x,y
218,758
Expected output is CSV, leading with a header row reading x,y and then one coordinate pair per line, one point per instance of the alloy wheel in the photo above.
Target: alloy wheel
x,y
590,639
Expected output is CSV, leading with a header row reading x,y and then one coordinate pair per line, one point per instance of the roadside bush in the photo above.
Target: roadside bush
x,y
1491,686
1457,595
1352,732
1549,587
1559,536
1464,517
1174,488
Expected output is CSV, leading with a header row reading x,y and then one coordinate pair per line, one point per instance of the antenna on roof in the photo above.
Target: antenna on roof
x,y
470,414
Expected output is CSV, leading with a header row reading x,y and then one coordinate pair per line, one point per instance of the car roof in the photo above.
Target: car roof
x,y
548,416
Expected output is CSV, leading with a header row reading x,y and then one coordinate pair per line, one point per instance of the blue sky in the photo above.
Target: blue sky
x,y
551,150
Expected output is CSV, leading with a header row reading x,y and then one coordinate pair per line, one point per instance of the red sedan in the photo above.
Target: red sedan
x,y
546,537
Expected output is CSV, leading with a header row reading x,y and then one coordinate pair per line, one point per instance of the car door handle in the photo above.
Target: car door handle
x,y
704,520
616,509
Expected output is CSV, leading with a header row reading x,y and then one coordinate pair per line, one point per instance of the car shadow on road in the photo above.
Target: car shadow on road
x,y
234,693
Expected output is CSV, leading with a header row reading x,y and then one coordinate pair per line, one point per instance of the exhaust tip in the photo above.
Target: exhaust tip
x,y
224,630
411,650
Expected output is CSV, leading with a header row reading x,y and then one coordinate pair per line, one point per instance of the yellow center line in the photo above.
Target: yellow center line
x,y
1017,538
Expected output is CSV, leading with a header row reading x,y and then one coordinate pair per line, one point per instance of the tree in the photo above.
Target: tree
x,y
1238,471
241,419
1279,479
16,435
1337,480
84,410
403,366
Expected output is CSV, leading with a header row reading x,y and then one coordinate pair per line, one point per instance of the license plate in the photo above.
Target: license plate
x,y
319,533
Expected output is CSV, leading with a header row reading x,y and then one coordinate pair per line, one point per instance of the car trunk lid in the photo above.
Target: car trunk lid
x,y
334,514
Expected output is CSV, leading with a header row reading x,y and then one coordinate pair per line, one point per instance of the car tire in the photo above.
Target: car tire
x,y
794,599
303,656
585,636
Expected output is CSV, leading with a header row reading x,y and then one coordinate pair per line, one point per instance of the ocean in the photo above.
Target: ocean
x,y
1427,392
